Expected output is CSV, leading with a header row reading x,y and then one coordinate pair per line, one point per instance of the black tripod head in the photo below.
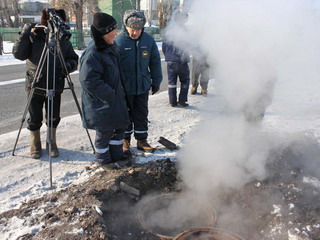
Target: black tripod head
x,y
57,26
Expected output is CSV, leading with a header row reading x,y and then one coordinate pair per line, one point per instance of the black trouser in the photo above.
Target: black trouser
x,y
175,70
138,115
108,145
36,113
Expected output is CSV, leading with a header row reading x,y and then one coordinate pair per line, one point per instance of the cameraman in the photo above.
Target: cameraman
x,y
29,46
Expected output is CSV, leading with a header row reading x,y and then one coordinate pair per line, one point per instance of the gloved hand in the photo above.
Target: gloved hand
x,y
154,89
27,29
69,67
64,71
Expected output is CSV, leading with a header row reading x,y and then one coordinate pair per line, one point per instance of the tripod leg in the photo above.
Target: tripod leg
x,y
51,78
23,119
80,112
49,130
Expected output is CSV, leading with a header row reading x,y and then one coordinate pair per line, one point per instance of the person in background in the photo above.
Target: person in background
x,y
29,46
177,66
201,74
141,64
103,98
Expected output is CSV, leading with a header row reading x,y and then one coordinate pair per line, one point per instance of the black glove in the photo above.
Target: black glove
x,y
27,29
69,67
64,71
154,89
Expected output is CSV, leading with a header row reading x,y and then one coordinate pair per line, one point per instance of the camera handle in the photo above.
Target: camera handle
x,y
52,45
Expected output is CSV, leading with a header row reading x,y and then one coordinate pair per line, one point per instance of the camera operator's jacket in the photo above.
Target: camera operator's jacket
x,y
141,62
103,98
30,45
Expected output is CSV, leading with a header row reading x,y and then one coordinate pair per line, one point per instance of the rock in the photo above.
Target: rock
x,y
126,188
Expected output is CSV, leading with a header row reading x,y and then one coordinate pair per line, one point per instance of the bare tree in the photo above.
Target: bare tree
x,y
5,11
164,12
138,6
92,8
16,12
78,11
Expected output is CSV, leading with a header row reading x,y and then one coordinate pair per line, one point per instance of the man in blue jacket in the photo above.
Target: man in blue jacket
x,y
103,98
177,66
141,65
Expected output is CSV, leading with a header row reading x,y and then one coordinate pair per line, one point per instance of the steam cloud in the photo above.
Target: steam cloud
x,y
260,51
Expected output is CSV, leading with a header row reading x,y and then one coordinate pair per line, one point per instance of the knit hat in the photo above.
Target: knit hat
x,y
104,23
134,19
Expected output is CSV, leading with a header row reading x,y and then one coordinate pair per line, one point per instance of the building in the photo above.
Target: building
x,y
30,10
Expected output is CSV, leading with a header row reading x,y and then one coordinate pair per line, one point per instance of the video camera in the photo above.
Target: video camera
x,y
57,25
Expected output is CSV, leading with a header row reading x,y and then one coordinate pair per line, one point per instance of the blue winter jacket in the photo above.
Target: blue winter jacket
x,y
103,98
140,61
174,54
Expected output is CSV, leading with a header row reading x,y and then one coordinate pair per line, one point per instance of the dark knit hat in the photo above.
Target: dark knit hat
x,y
104,23
134,19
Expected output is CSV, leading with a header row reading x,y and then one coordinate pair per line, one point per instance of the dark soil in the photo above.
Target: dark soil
x,y
102,208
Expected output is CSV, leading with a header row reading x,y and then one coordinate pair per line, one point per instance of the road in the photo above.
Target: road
x,y
13,98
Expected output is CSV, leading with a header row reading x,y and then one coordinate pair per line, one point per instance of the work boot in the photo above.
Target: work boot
x,y
35,145
193,90
54,149
126,148
173,104
183,104
204,92
144,146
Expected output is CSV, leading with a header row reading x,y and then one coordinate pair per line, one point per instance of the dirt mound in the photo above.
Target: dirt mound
x,y
105,207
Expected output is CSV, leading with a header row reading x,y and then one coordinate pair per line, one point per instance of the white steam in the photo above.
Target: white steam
x,y
225,152
260,50
253,44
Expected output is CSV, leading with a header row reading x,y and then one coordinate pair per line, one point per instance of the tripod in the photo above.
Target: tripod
x,y
51,51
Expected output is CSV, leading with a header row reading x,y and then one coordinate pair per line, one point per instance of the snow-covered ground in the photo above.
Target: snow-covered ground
x,y
23,178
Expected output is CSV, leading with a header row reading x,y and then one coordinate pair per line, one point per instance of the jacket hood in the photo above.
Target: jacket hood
x,y
100,43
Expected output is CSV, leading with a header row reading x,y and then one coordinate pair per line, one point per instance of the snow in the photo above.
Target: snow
x,y
312,181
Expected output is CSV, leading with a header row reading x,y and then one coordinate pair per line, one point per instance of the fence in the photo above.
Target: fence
x,y
11,34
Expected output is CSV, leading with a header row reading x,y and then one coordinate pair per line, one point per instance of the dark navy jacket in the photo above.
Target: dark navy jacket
x,y
140,61
103,97
174,54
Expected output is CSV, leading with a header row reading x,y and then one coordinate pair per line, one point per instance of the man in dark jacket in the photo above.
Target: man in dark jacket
x,y
141,64
29,46
177,66
103,98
